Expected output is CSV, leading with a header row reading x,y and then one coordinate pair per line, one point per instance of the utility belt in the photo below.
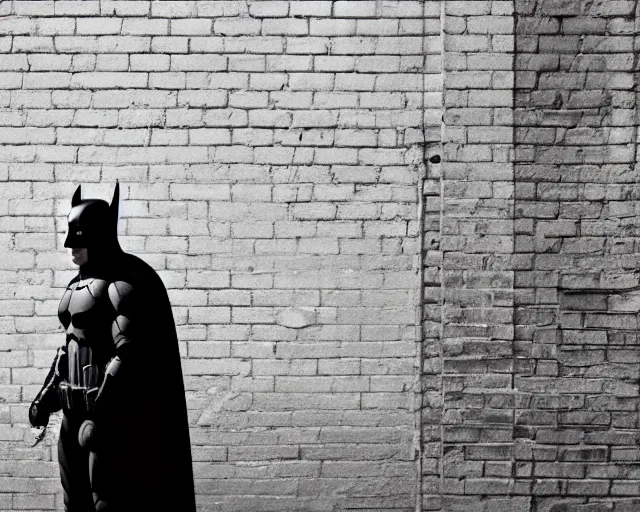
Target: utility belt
x,y
77,399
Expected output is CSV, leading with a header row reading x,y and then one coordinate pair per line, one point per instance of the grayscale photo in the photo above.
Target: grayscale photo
x,y
319,256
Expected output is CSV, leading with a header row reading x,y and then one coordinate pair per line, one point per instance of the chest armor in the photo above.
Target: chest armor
x,y
87,315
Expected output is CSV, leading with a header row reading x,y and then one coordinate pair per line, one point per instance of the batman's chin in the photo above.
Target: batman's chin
x,y
78,255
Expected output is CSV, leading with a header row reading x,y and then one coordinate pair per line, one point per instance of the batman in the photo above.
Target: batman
x,y
124,439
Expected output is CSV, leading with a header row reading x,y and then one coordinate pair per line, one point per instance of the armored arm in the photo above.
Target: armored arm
x,y
120,369
47,401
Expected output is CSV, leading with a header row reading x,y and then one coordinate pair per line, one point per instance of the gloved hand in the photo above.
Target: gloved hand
x,y
38,416
86,435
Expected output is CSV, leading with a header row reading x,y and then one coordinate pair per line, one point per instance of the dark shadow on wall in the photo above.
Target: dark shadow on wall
x,y
577,221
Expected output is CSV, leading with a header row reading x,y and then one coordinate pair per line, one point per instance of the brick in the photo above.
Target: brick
x,y
285,27
340,27
191,27
156,26
149,62
235,26
560,7
490,24
313,8
476,43
77,8
198,62
108,80
98,26
123,8
380,27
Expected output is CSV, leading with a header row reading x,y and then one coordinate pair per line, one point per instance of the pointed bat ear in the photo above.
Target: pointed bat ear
x,y
75,200
113,207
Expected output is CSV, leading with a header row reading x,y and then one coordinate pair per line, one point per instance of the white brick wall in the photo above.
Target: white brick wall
x,y
269,155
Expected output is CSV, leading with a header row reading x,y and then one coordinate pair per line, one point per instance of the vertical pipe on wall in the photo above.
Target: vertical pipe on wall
x,y
419,262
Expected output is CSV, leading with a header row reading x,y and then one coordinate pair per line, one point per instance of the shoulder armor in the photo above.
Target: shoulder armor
x,y
97,287
120,294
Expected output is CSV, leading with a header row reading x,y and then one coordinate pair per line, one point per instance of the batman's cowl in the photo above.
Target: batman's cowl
x,y
93,224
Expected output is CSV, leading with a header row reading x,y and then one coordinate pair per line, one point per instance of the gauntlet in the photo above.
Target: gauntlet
x,y
47,400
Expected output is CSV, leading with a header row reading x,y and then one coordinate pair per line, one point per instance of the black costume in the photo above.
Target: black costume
x,y
119,369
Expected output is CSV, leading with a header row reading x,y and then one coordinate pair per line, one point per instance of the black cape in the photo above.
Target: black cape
x,y
142,427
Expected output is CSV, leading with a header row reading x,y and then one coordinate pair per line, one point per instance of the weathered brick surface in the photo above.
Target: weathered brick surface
x,y
270,155
468,416
530,378
576,306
